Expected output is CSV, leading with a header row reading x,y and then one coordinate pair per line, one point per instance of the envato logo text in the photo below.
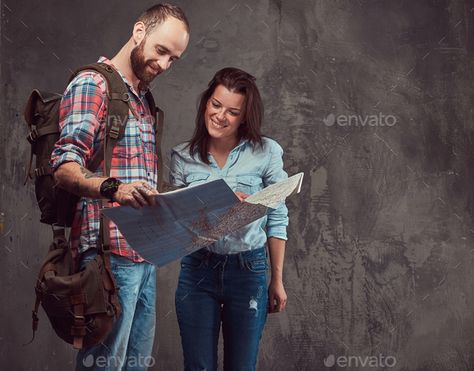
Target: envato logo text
x,y
117,120
379,361
118,362
360,120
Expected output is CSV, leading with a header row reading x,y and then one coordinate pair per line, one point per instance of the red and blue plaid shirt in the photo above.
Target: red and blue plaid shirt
x,y
82,131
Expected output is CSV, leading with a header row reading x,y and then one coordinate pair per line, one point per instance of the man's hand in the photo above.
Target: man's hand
x,y
136,194
276,296
241,195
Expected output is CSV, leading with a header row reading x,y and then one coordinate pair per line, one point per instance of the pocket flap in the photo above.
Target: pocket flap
x,y
249,180
196,177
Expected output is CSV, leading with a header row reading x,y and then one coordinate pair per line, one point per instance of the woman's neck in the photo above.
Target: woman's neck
x,y
222,146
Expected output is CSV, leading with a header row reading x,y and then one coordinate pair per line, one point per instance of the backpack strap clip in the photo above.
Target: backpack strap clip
x,y
124,97
32,136
107,67
42,171
114,131
36,133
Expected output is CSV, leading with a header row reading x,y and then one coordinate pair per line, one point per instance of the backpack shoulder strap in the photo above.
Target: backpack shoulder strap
x,y
117,112
115,123
159,116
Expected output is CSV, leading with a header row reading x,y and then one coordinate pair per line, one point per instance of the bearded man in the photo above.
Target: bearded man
x,y
160,36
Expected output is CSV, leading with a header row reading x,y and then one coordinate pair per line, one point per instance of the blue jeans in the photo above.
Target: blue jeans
x,y
229,288
129,345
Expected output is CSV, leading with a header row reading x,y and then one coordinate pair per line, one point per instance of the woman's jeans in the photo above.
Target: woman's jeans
x,y
129,345
229,288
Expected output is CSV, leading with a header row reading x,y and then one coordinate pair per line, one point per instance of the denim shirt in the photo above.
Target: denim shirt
x,y
247,170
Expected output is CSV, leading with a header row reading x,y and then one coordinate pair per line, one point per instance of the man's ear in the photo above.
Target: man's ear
x,y
138,32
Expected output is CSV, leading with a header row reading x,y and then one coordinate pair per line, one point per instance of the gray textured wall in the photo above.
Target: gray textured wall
x,y
379,259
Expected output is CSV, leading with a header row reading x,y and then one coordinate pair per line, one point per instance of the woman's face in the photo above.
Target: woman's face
x,y
224,113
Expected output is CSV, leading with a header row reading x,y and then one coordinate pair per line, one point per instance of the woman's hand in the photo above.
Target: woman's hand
x,y
276,296
241,195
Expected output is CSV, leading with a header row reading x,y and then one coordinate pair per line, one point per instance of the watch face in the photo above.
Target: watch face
x,y
109,187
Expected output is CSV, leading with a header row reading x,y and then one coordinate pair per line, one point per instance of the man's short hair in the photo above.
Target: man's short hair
x,y
158,13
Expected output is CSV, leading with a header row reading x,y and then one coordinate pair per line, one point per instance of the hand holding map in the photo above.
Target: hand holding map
x,y
188,219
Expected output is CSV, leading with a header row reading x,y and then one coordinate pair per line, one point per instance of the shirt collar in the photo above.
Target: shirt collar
x,y
238,147
242,143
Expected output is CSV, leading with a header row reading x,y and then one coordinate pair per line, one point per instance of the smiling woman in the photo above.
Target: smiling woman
x,y
231,102
223,119
226,283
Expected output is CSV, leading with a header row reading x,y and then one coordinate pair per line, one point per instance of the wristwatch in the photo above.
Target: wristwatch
x,y
108,188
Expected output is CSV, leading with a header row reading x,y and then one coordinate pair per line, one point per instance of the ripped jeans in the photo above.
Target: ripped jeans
x,y
229,288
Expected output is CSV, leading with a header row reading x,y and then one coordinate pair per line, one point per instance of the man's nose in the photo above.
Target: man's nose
x,y
164,63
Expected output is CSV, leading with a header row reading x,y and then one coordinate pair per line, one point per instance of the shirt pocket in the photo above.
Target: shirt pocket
x,y
248,184
130,146
124,152
196,178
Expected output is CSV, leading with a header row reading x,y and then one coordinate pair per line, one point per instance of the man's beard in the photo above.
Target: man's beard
x,y
139,65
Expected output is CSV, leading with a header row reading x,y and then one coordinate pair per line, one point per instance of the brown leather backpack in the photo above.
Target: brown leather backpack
x,y
82,306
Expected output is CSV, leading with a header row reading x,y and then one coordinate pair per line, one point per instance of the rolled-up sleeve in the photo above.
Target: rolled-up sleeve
x,y
176,170
277,218
81,109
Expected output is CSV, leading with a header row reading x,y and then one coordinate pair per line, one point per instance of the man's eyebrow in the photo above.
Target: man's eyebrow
x,y
234,108
165,50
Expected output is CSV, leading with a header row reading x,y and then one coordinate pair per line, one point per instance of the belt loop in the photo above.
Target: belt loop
x,y
241,260
207,257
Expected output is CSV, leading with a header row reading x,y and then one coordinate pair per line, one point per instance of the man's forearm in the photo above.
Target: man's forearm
x,y
78,180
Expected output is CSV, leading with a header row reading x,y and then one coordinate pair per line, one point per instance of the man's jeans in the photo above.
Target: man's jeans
x,y
129,345
229,288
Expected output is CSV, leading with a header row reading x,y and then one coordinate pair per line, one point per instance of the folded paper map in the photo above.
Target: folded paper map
x,y
188,219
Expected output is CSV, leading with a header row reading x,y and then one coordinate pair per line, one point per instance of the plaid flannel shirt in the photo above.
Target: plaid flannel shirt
x,y
134,157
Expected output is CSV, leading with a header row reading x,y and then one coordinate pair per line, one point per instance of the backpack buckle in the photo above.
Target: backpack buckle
x,y
32,136
41,171
114,132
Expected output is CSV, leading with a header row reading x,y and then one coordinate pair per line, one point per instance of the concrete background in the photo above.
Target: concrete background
x,y
379,258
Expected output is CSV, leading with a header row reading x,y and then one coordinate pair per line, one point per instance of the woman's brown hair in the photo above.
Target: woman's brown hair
x,y
236,81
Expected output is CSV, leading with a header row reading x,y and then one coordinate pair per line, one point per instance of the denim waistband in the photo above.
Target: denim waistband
x,y
260,252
